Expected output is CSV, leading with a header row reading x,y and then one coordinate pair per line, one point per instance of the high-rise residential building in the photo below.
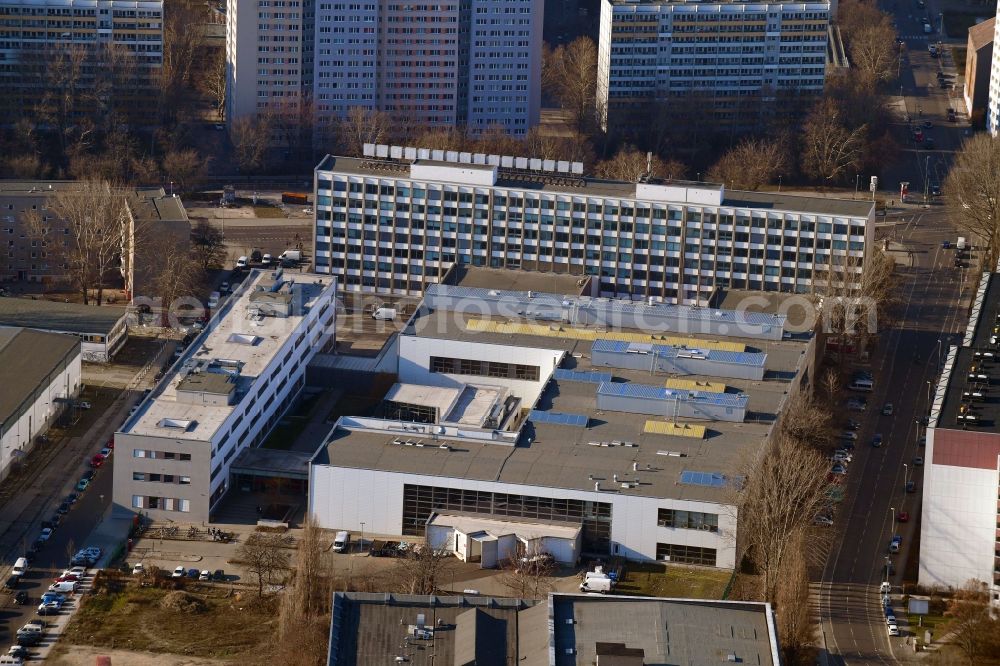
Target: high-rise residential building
x,y
455,63
394,226
111,51
993,110
731,63
959,535
265,50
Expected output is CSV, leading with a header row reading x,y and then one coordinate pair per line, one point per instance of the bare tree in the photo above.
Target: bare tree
x,y
831,386
972,627
173,273
494,140
207,245
752,164
181,36
829,147
796,627
569,74
871,48
185,167
360,126
213,81
973,190
441,138
859,295
806,421
630,164
96,219
782,491
251,137
574,147
421,570
264,556
529,577
24,165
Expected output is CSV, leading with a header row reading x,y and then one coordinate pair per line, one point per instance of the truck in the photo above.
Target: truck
x,y
960,245
294,198
290,255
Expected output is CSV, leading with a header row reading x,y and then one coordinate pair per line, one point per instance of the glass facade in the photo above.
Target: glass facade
x,y
389,234
420,501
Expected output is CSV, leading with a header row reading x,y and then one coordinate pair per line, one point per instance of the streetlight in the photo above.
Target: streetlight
x,y
893,510
857,184
362,536
928,394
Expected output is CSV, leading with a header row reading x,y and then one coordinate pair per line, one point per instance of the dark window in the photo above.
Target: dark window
x,y
475,367
673,552
689,520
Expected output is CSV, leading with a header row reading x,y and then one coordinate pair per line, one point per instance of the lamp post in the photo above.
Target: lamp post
x,y
928,395
857,184
362,542
893,510
906,478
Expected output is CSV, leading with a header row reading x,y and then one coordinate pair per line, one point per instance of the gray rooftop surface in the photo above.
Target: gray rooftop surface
x,y
669,631
269,462
64,317
561,456
590,186
208,382
370,628
514,280
27,358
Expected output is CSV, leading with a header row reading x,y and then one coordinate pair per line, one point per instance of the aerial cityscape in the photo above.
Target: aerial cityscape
x,y
499,332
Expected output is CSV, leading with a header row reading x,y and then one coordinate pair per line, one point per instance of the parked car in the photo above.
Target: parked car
x,y
66,586
857,404
138,569
225,288
63,508
97,460
918,461
824,521
219,575
935,190
45,534
84,404
193,573
849,435
903,517
48,608
178,572
82,484
267,260
77,571
105,452
877,440
21,598
205,575
911,487
893,630
887,409
851,424
839,469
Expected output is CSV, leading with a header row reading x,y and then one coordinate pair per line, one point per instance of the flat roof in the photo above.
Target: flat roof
x,y
272,462
251,352
478,277
579,186
439,397
146,203
371,628
566,456
59,317
28,358
975,359
208,382
674,631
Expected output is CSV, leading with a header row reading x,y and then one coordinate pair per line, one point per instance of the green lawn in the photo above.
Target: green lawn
x,y
266,210
936,623
663,580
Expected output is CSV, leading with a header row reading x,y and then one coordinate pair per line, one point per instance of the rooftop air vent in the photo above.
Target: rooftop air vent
x,y
244,339
177,424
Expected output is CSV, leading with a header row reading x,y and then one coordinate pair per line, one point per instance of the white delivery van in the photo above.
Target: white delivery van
x,y
341,542
384,314
64,587
960,245
241,262
862,384
291,255
20,566
602,585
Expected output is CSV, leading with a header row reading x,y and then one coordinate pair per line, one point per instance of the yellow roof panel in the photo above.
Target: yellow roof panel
x,y
573,332
674,429
692,385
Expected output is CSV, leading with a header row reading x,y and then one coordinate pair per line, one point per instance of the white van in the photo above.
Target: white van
x,y
242,262
65,587
341,541
20,567
384,314
860,384
602,585
960,245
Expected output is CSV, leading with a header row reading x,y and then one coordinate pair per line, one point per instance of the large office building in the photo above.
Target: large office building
x,y
959,537
109,50
562,630
41,378
732,62
395,224
224,395
993,108
525,422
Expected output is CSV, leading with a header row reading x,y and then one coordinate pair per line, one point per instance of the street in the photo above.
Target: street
x,y
906,360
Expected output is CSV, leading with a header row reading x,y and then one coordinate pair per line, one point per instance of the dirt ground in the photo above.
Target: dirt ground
x,y
82,655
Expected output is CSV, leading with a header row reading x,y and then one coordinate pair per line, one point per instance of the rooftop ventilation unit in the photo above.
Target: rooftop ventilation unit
x,y
177,424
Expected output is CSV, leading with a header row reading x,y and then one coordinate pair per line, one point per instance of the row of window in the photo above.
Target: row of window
x,y
160,455
688,520
161,478
475,367
161,503
672,552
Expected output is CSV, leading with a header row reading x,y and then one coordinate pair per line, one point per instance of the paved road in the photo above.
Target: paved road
x,y
906,359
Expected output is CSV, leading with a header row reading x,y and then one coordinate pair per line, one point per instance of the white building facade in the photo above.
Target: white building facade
x,y
729,60
469,64
392,227
45,368
265,56
993,108
225,394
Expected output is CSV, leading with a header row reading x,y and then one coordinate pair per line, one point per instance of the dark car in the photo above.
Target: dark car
x,y
219,575
256,256
29,638
193,573
935,190
12,582
72,498
63,508
911,487
877,440
928,143
21,598
89,474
